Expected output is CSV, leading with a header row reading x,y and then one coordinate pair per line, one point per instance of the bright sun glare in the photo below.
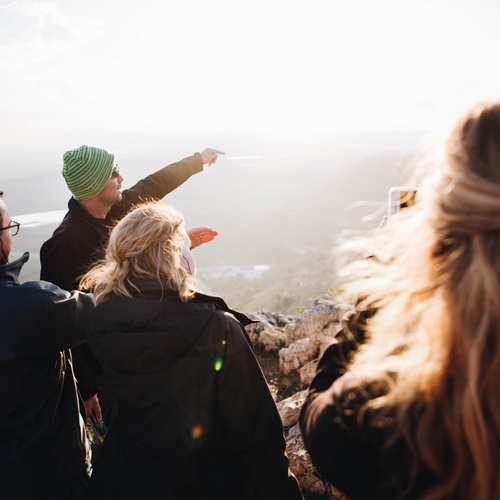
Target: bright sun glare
x,y
157,66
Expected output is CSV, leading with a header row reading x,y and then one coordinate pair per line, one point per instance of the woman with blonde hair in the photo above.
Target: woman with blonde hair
x,y
195,417
406,400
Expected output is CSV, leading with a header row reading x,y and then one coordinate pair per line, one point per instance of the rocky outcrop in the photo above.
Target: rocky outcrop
x,y
290,408
297,355
300,341
268,332
308,371
309,334
319,323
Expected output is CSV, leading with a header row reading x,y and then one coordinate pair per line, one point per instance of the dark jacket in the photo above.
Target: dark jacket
x,y
195,419
349,448
80,240
42,435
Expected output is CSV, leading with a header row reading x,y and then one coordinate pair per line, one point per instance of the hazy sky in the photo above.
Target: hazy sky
x,y
278,65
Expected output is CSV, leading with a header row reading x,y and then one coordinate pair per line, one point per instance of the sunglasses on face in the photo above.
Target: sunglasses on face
x,y
116,172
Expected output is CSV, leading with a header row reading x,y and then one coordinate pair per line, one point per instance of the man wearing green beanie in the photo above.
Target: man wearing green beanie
x,y
94,179
87,170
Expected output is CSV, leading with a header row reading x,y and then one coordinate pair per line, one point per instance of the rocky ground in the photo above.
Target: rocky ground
x,y
288,348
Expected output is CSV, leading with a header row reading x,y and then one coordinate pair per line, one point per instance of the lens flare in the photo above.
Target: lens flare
x,y
218,364
196,431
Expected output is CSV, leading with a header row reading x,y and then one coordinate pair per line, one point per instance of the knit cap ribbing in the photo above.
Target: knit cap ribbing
x,y
87,170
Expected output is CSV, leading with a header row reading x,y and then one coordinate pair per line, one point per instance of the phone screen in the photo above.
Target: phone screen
x,y
401,197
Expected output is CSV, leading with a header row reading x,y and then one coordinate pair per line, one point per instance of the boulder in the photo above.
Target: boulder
x,y
271,339
308,371
289,408
278,319
297,355
319,323
267,331
303,469
254,329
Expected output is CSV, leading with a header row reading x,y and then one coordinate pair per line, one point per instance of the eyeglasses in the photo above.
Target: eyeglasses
x,y
13,227
116,172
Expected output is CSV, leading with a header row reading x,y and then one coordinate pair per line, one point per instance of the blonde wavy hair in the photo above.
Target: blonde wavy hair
x,y
145,244
435,340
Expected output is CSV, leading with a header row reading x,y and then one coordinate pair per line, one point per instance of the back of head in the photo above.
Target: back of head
x,y
469,190
145,245
440,298
87,171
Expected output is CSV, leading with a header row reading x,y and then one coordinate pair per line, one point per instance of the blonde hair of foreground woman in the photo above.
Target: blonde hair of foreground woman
x,y
146,244
435,342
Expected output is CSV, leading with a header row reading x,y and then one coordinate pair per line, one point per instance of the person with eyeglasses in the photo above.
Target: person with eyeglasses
x,y
13,229
44,453
98,202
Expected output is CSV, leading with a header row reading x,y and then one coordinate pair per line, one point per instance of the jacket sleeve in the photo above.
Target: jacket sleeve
x,y
59,266
60,260
63,326
156,186
252,420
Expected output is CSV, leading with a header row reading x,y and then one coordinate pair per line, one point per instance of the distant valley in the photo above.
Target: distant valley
x,y
281,202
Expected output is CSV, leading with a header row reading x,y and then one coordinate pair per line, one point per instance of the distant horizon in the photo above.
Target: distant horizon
x,y
271,201
318,106
61,142
162,67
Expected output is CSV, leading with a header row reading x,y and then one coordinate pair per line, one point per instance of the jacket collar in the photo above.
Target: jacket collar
x,y
154,288
80,212
9,273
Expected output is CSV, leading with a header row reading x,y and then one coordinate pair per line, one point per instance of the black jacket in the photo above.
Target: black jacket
x,y
349,451
42,435
80,240
195,418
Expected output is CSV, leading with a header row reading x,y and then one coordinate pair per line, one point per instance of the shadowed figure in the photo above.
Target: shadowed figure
x,y
196,419
415,412
44,454
95,181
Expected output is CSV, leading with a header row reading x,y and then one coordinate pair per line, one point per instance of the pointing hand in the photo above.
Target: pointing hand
x,y
210,156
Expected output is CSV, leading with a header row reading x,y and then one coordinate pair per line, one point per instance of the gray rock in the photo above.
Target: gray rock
x,y
320,322
289,408
308,371
271,339
296,355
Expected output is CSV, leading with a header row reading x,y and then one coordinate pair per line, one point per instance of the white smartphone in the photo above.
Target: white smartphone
x,y
401,197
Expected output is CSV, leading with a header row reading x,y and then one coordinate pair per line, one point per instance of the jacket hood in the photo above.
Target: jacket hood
x,y
9,273
149,332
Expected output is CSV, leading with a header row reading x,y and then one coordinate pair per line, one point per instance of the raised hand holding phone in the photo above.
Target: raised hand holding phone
x,y
401,197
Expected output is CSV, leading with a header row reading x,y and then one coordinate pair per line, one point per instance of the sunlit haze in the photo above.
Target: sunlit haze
x,y
157,66
318,106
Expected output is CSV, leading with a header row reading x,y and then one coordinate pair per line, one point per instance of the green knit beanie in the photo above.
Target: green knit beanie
x,y
87,170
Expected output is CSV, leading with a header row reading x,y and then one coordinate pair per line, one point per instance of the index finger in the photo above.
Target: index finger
x,y
217,152
98,414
